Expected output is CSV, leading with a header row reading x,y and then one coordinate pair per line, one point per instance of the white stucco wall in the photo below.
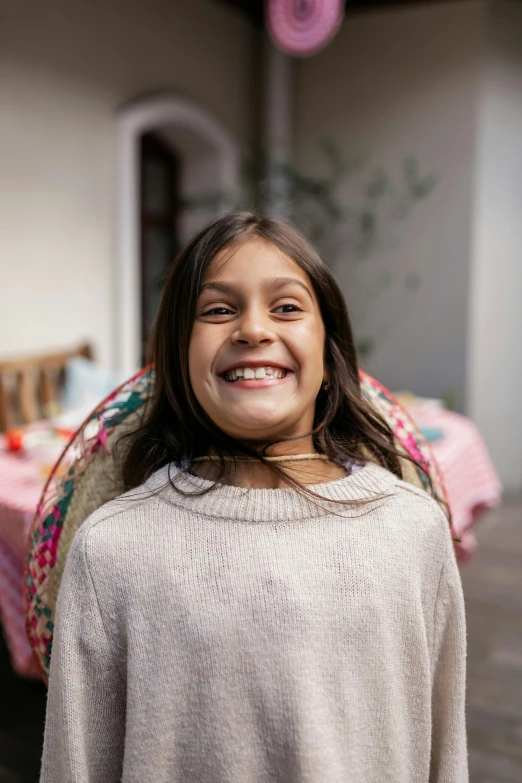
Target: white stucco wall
x,y
495,350
392,84
65,70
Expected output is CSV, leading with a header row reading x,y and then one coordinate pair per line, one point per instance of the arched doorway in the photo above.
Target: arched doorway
x,y
186,153
160,203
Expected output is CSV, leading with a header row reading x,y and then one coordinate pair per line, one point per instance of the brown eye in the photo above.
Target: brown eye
x,y
218,311
288,308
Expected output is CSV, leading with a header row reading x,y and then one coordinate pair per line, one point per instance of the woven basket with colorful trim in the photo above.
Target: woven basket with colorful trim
x,y
88,474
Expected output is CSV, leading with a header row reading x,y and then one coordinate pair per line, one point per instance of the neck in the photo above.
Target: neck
x,y
255,475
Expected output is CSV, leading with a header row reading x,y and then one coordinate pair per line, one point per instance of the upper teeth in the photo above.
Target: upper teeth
x,y
248,373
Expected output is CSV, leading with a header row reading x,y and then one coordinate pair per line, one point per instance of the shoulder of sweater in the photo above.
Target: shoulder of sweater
x,y
419,497
426,509
131,501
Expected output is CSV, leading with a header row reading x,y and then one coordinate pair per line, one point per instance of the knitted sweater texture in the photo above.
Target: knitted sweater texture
x,y
253,636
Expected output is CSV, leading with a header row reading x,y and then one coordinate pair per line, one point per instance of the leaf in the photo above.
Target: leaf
x,y
418,186
378,185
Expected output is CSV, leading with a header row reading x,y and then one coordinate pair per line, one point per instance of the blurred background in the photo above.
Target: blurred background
x,y
390,133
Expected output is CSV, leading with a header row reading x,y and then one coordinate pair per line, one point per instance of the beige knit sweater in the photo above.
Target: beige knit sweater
x,y
251,637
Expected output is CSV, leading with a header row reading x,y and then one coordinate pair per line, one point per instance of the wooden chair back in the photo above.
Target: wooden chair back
x,y
30,387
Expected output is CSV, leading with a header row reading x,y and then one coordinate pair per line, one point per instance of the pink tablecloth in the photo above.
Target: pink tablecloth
x,y
20,489
471,481
470,478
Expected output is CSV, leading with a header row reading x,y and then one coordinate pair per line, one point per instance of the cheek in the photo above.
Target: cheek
x,y
198,360
202,354
310,351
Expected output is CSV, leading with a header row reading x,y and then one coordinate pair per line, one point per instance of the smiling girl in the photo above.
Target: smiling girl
x,y
269,602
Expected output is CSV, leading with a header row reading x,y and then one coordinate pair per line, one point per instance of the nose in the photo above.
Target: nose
x,y
253,328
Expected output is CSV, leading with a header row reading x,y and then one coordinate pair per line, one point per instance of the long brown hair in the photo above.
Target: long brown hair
x,y
175,428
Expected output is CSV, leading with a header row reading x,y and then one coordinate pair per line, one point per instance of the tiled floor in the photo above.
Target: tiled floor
x,y
493,589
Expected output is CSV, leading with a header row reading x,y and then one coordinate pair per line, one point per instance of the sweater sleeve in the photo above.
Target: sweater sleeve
x,y
449,761
85,721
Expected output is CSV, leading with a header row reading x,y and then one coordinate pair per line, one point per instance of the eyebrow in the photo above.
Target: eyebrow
x,y
270,283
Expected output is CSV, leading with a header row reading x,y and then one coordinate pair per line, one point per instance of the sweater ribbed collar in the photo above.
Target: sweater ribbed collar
x,y
271,505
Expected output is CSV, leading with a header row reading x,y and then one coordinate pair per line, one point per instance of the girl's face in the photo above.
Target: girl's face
x,y
257,346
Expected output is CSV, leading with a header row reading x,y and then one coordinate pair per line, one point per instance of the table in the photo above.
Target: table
x,y
471,481
21,485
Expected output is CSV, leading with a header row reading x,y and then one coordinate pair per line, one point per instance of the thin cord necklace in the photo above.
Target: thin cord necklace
x,y
279,458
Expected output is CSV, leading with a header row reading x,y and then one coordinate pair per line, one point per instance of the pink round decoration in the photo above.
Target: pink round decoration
x,y
302,27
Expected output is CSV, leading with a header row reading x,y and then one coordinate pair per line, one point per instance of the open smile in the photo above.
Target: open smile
x,y
256,377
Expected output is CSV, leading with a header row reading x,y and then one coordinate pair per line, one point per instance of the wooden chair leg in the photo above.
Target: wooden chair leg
x,y
27,397
49,392
5,413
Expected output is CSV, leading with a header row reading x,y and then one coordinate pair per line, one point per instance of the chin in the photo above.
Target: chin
x,y
254,427
256,430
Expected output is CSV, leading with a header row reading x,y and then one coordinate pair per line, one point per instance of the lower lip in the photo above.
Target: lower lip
x,y
257,383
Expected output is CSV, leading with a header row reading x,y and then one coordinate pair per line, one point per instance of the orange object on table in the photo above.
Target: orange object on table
x,y
15,440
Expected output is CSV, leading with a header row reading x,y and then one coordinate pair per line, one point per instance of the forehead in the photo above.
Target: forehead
x,y
251,261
